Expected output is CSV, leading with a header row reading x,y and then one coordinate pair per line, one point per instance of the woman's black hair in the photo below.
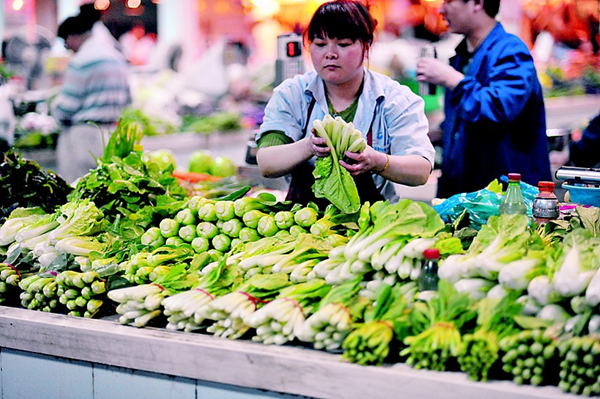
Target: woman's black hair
x,y
76,25
342,19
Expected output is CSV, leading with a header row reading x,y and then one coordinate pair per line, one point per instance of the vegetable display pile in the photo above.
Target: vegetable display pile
x,y
520,302
25,184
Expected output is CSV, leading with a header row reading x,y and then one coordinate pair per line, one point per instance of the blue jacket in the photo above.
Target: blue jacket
x,y
495,118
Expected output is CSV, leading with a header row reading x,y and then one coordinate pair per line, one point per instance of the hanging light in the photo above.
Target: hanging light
x,y
134,3
101,4
18,5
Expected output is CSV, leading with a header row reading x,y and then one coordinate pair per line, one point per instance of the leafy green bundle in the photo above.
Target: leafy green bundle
x,y
25,184
332,181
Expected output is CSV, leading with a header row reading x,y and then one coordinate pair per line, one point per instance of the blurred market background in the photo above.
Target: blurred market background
x,y
203,70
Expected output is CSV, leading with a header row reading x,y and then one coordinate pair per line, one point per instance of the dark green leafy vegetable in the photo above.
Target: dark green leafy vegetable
x,y
25,184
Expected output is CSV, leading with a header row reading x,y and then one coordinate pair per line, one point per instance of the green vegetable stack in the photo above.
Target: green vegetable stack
x,y
580,366
229,311
9,282
436,325
332,322
370,342
185,310
39,292
332,181
531,356
495,320
82,293
279,320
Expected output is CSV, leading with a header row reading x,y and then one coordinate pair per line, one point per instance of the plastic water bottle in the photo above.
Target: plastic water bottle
x,y
513,202
428,278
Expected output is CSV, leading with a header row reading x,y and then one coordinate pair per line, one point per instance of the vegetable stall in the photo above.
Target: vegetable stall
x,y
126,276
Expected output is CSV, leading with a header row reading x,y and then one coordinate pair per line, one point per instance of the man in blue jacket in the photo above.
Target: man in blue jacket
x,y
495,120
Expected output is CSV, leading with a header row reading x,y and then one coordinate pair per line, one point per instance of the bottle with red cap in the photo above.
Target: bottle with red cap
x,y
428,279
545,205
513,202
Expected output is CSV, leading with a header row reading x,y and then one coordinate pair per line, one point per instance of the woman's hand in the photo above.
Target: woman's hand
x,y
369,160
318,145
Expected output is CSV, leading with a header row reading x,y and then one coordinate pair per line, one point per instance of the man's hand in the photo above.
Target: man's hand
x,y
432,70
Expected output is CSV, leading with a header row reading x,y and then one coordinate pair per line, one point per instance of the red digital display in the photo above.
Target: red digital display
x,y
293,49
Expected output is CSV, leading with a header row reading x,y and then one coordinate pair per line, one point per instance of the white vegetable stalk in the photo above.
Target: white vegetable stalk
x,y
184,310
476,287
514,275
592,293
542,290
455,267
228,313
139,304
570,280
276,322
327,328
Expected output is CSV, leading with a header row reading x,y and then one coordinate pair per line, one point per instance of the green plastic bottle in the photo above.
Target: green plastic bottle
x,y
513,202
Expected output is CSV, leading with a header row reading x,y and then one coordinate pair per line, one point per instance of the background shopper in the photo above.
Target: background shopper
x,y
95,91
495,120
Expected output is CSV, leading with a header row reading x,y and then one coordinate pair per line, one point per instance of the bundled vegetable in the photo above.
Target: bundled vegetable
x,y
369,342
580,366
332,181
185,310
436,326
329,325
140,304
10,277
39,291
82,293
228,312
480,349
382,227
279,321
502,240
531,357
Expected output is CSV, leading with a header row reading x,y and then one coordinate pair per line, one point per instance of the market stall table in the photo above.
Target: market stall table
x,y
52,355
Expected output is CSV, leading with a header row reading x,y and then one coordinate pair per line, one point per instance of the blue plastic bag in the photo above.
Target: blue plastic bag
x,y
481,204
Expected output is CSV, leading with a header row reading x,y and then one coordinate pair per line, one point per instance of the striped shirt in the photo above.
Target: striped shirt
x,y
95,86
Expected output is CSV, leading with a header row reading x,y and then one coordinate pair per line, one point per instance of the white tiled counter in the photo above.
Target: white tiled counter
x,y
56,356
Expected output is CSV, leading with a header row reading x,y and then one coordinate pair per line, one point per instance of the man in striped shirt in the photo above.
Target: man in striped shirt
x,y
94,93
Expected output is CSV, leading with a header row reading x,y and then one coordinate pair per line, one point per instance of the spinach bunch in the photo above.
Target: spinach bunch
x,y
24,183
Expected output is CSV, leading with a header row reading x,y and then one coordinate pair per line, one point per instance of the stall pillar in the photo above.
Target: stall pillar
x,y
178,24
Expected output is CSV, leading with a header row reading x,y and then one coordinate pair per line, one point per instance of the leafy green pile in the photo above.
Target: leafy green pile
x,y
218,122
25,184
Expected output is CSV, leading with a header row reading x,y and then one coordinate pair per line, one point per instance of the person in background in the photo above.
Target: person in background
x,y
95,91
88,10
389,115
585,152
495,120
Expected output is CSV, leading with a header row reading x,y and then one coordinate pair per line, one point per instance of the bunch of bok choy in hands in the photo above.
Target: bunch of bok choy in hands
x,y
332,181
229,311
435,339
278,321
140,304
369,342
